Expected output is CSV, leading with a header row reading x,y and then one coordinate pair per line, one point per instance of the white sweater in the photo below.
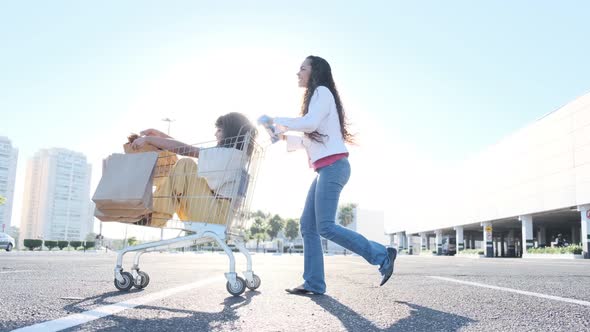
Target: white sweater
x,y
322,117
222,168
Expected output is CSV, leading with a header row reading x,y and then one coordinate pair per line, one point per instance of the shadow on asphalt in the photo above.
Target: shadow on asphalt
x,y
82,305
181,320
420,319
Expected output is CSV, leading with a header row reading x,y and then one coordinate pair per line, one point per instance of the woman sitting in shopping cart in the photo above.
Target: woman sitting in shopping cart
x,y
202,192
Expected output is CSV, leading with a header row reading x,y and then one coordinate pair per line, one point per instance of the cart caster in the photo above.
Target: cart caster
x,y
143,278
127,282
254,284
238,288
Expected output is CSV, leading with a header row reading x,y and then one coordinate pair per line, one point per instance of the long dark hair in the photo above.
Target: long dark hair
x,y
321,75
236,128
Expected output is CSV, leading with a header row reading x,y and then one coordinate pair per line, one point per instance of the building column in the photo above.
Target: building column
x,y
405,242
574,239
510,244
488,239
527,232
438,242
400,242
585,233
460,239
542,236
410,244
423,242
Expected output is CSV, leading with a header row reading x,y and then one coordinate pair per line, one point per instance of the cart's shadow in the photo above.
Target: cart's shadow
x,y
184,320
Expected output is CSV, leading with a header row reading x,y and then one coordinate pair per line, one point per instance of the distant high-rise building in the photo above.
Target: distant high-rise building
x,y
56,204
8,159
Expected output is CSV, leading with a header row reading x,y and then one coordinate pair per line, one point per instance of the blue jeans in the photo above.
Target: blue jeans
x,y
319,217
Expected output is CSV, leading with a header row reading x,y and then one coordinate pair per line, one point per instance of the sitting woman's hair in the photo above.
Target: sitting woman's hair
x,y
236,129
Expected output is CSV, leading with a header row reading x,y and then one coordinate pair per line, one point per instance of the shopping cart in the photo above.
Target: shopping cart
x,y
208,198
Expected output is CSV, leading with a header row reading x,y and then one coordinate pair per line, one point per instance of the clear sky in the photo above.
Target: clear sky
x,y
426,84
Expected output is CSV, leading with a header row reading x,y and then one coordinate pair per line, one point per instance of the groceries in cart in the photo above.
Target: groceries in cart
x,y
166,159
124,193
125,177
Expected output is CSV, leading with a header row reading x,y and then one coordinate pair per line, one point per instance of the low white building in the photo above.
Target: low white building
x,y
369,223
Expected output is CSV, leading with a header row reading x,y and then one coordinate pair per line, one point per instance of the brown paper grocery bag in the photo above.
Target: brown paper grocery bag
x,y
126,184
166,159
126,216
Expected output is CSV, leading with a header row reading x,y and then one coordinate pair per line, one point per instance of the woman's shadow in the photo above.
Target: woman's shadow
x,y
420,319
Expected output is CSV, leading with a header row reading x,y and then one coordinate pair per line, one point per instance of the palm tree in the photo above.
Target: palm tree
x,y
292,229
346,214
275,225
259,230
260,237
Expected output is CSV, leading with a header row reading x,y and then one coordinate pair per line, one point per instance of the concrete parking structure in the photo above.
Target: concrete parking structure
x,y
532,189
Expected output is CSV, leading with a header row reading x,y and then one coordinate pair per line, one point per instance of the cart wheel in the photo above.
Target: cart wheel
x,y
127,282
238,288
145,280
254,284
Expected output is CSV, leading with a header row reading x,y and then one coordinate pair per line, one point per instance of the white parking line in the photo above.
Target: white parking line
x,y
511,290
107,310
14,271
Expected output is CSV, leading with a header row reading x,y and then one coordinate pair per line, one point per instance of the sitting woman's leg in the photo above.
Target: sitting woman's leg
x,y
163,203
195,201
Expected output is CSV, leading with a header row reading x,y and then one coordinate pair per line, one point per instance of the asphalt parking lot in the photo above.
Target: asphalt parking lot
x,y
44,291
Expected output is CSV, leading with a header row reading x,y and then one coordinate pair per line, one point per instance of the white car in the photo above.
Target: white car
x,y
6,241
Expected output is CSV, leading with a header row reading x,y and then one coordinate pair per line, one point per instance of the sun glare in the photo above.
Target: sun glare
x,y
195,92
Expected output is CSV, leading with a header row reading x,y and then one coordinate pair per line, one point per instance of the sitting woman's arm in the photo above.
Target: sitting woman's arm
x,y
168,144
154,132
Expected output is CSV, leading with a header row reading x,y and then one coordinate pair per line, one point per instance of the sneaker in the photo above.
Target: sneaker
x,y
392,254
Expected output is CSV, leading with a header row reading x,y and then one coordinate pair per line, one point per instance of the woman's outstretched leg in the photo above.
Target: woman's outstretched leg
x,y
330,183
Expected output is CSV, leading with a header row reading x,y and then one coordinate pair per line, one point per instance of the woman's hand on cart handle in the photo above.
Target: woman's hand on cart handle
x,y
265,120
280,129
154,132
